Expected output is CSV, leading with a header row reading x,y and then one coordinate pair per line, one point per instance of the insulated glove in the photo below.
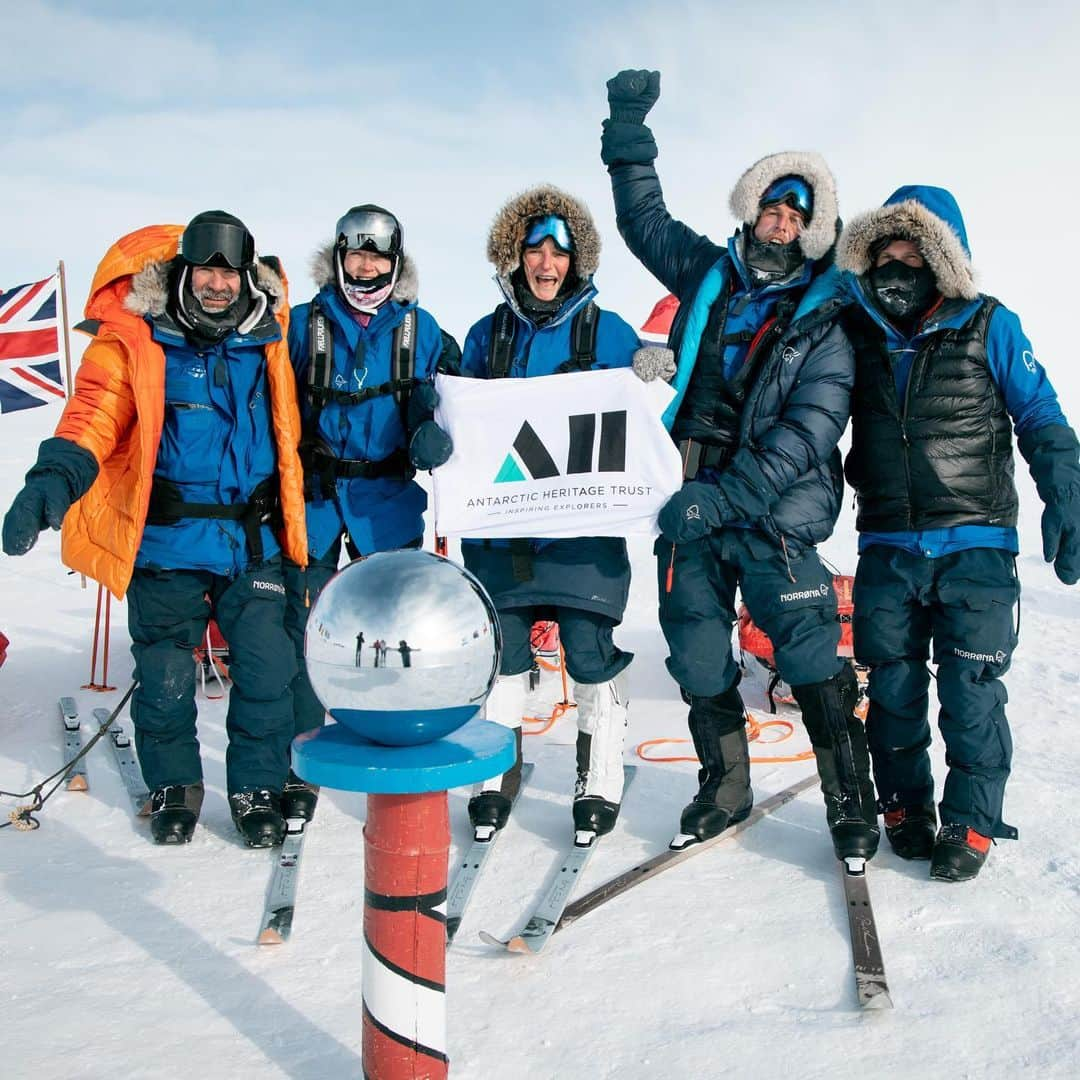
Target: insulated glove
x,y
693,512
1053,455
40,505
1061,538
63,473
631,94
423,399
430,446
654,362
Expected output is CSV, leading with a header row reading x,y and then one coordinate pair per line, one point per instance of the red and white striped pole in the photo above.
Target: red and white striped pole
x,y
406,844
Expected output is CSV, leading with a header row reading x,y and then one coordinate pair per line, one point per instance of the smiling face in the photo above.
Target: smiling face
x,y
779,224
545,267
365,265
215,287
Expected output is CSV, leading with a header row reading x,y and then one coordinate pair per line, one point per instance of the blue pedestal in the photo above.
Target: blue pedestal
x,y
337,757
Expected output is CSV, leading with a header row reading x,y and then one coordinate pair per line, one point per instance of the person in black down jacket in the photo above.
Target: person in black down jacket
x,y
763,374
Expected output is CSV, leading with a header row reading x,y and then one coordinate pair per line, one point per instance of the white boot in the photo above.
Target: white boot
x,y
602,715
505,705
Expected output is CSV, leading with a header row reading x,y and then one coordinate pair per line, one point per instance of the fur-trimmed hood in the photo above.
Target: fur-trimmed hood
x,y
927,216
406,288
820,235
150,286
507,235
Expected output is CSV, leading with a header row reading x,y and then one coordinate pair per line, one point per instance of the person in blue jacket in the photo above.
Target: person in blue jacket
x,y
545,249
763,374
944,376
365,357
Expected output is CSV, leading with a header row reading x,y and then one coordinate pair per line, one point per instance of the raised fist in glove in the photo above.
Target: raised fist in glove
x,y
1061,538
693,512
654,362
631,94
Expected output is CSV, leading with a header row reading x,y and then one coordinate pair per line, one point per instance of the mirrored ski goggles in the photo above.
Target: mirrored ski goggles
x,y
794,191
370,230
551,225
218,243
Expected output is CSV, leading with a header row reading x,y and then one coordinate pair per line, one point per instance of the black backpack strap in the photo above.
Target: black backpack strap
x,y
320,356
583,336
403,360
501,346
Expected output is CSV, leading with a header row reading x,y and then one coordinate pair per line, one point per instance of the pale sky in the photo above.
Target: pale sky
x,y
116,119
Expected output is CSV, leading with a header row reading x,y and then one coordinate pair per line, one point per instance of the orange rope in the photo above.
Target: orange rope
x,y
754,728
561,707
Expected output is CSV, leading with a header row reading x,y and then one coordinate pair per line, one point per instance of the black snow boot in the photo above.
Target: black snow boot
x,y
959,853
593,814
910,831
490,807
718,729
298,798
257,814
174,809
838,739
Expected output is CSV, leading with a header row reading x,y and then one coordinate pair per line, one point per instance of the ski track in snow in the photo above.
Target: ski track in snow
x,y
126,959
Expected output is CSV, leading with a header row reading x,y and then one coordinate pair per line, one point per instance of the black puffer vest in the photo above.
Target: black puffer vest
x,y
942,456
711,411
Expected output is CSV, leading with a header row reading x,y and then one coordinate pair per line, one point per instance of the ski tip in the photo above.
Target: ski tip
x,y
77,783
518,945
491,939
880,1000
270,937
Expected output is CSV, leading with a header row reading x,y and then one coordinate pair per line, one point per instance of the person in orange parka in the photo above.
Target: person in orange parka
x,y
175,472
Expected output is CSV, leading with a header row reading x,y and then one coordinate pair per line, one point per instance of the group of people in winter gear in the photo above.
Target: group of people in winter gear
x,y
220,451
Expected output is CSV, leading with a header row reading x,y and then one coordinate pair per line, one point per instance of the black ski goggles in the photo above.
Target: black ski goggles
x,y
370,230
792,190
218,243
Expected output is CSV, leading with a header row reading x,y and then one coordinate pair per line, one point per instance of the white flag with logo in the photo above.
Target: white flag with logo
x,y
575,454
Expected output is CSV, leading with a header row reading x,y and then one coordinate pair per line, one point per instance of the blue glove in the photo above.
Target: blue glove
x,y
430,446
1053,455
1061,538
423,398
631,94
693,512
63,473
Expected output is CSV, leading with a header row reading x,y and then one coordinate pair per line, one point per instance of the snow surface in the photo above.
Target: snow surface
x,y
123,959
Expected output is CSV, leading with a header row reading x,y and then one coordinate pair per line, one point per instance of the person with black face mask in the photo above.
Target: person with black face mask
x,y
763,376
174,470
944,376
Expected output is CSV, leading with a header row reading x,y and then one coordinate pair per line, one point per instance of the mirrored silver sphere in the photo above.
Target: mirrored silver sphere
x,y
402,647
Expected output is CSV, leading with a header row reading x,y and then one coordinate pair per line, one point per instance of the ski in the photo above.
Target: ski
x,y
277,917
870,982
75,777
673,856
472,864
126,762
546,915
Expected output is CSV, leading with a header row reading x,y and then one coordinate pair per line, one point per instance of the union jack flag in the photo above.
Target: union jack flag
x,y
30,372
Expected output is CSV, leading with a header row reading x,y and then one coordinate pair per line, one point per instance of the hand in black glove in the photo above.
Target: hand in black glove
x,y
631,94
693,512
1061,538
430,446
41,504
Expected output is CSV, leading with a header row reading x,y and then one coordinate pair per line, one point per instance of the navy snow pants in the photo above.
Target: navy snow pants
x,y
964,603
167,615
586,637
791,599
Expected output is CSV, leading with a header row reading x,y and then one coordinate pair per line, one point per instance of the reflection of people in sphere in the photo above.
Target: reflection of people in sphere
x,y
380,652
359,646
406,651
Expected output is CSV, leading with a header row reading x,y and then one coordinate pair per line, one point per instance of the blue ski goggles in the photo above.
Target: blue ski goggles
x,y
792,190
551,225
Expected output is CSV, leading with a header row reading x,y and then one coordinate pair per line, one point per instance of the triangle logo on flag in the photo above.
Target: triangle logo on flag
x,y
509,472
